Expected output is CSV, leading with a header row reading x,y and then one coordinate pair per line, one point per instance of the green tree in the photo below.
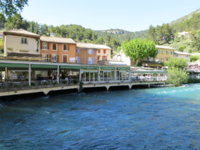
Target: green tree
x,y
14,22
44,30
34,27
179,63
139,49
161,34
10,7
2,20
176,76
195,37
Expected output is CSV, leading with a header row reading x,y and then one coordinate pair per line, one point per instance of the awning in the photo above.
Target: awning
x,y
149,71
90,67
107,68
70,67
123,68
13,65
42,66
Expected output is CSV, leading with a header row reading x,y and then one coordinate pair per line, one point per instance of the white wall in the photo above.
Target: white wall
x,y
121,57
13,44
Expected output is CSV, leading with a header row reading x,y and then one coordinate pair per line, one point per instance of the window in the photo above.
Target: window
x,y
54,58
44,45
104,51
104,58
64,58
78,60
78,51
54,47
99,51
24,41
98,57
45,57
90,51
90,60
65,47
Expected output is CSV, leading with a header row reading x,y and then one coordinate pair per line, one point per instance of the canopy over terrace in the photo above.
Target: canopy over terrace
x,y
148,75
30,67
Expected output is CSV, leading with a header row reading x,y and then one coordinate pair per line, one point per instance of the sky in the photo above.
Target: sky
x,y
131,15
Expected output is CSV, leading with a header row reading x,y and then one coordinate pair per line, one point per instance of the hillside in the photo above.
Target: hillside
x,y
190,22
122,35
189,16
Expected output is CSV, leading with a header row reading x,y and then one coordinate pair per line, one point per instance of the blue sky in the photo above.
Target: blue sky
x,y
132,15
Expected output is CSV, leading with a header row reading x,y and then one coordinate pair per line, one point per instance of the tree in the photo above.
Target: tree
x,y
176,76
139,49
195,37
14,22
10,7
161,34
2,20
179,63
44,30
34,27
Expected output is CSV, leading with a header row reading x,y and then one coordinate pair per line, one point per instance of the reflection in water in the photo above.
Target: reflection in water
x,y
165,118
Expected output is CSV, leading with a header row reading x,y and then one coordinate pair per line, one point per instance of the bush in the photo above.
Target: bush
x,y
194,58
179,63
194,81
176,76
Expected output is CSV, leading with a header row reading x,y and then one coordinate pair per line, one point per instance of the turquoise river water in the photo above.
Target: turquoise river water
x,y
146,119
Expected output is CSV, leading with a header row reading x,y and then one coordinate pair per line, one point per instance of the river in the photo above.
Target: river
x,y
145,119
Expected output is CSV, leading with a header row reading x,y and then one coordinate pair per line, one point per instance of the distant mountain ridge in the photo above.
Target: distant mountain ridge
x,y
122,35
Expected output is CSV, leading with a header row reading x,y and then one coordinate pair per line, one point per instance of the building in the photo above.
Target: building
x,y
164,53
56,49
21,45
103,52
183,34
184,55
121,58
87,53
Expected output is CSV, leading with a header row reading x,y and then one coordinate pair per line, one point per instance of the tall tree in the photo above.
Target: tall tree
x,y
2,20
139,49
161,34
14,22
10,7
34,27
44,30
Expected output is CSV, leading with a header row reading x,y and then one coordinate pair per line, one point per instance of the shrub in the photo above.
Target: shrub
x,y
176,76
194,58
179,63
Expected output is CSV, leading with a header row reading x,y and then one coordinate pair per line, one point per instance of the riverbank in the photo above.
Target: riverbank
x,y
59,89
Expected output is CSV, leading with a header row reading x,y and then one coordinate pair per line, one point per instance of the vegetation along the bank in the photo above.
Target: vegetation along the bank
x,y
176,73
